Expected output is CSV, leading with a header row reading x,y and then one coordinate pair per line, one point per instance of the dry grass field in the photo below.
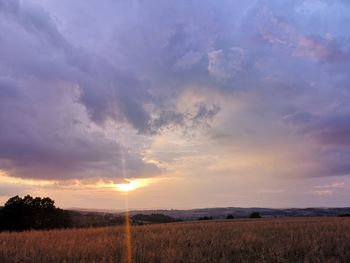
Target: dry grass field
x,y
263,240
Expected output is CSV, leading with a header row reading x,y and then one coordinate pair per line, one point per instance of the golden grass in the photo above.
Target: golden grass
x,y
264,240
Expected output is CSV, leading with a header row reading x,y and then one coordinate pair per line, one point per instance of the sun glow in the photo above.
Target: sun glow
x,y
6,179
131,185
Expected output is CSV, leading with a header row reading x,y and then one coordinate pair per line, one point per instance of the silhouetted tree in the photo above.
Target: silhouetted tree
x,y
255,215
230,217
205,218
32,213
153,218
344,215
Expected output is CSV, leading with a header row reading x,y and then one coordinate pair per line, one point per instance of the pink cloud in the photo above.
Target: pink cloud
x,y
279,32
320,49
323,192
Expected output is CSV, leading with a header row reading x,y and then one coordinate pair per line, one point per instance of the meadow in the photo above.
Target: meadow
x,y
260,240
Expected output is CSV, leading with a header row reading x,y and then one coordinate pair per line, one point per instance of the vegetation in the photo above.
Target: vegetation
x,y
95,219
205,218
230,216
27,213
255,215
345,215
264,240
152,218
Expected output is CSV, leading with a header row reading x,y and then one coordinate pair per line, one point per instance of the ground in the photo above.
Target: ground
x,y
254,240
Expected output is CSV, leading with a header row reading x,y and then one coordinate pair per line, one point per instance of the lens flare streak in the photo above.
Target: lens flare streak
x,y
128,240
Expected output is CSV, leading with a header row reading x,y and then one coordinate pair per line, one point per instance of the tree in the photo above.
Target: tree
x,y
255,215
153,218
205,218
345,215
27,213
230,216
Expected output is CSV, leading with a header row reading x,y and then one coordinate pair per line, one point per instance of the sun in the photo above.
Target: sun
x,y
131,185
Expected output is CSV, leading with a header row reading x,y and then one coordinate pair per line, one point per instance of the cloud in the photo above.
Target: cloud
x,y
328,189
46,137
331,130
188,60
280,32
104,89
332,185
320,49
46,133
68,78
225,66
330,135
298,117
51,90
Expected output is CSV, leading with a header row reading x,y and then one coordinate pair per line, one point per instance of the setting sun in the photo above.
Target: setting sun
x,y
130,185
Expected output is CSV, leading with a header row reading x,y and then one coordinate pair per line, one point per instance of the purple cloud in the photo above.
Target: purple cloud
x,y
66,75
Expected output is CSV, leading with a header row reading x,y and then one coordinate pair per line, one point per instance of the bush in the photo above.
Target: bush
x,y
230,217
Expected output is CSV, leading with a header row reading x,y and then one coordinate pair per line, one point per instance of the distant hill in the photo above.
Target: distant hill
x,y
98,219
239,212
152,218
93,218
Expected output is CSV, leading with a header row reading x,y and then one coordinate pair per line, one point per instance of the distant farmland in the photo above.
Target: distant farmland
x,y
261,240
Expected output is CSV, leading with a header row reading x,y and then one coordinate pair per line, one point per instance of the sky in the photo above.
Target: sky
x,y
187,103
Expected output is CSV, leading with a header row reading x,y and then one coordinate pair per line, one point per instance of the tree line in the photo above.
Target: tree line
x,y
28,213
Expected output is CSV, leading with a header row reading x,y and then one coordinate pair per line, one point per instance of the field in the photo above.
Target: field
x,y
261,240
